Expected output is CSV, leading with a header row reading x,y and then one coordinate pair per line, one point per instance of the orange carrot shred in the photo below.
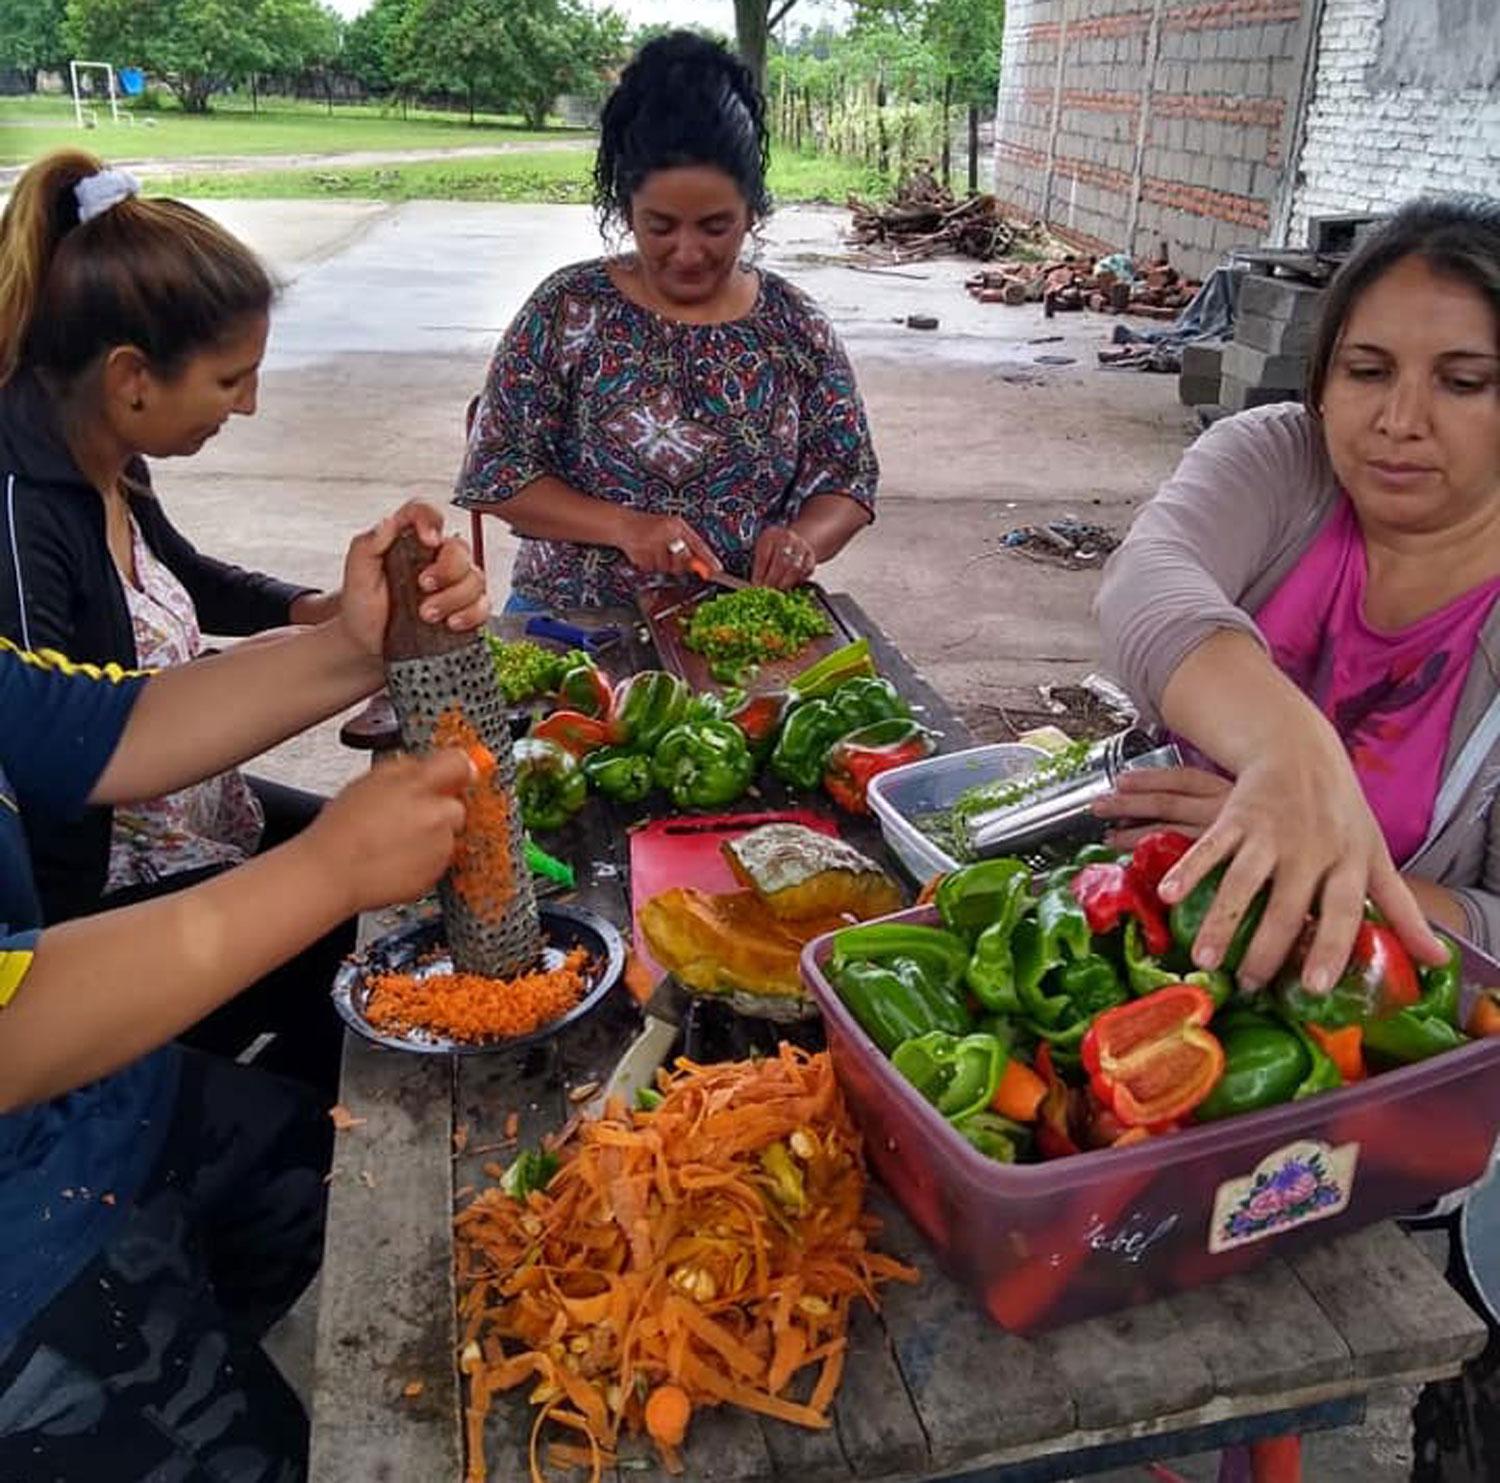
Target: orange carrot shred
x,y
703,1253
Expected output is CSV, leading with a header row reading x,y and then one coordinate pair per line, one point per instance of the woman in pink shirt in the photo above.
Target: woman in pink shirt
x,y
1310,602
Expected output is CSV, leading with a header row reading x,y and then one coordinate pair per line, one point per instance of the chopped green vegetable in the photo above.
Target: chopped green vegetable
x,y
531,1170
525,670
985,797
747,627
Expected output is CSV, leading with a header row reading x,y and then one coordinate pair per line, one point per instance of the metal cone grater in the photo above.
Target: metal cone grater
x,y
431,670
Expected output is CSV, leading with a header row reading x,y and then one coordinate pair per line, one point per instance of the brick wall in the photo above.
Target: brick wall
x,y
1373,138
1129,122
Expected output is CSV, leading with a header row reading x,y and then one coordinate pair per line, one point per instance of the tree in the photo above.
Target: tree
x,y
754,20
198,47
456,46
31,36
560,46
372,47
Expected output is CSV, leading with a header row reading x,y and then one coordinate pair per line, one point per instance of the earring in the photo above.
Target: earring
x,y
137,405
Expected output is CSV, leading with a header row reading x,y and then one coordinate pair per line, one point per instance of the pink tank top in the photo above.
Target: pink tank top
x,y
1390,696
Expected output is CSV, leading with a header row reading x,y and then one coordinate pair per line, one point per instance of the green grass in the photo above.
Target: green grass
x,y
554,177
31,126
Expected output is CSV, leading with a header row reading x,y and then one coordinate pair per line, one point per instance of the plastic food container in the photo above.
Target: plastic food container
x,y
1039,1245
932,785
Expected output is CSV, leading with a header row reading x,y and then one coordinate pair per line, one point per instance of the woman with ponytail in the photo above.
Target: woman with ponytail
x,y
133,329
674,405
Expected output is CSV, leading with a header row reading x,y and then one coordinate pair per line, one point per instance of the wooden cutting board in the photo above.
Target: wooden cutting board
x,y
668,636
687,851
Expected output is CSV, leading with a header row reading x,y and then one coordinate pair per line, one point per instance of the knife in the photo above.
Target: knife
x,y
715,579
664,1011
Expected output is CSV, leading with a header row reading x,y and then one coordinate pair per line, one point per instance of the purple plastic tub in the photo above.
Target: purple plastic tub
x,y
1041,1245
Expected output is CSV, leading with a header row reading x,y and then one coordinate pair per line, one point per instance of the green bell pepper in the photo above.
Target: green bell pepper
x,y
897,1000
994,1136
1428,1027
1323,1074
957,1074
585,690
1187,916
1085,988
1265,1063
647,706
1145,974
618,774
867,699
550,785
1090,854
833,670
1056,932
941,956
810,730
985,895
703,765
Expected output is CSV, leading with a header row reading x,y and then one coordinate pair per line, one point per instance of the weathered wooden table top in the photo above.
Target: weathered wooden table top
x,y
931,1387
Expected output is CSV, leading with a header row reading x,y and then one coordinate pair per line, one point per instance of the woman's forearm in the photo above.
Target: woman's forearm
x,y
180,956
1229,699
828,522
313,608
547,509
195,720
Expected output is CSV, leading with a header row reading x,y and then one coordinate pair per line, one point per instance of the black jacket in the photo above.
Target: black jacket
x,y
59,589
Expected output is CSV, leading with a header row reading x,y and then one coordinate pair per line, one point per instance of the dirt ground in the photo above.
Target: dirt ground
x,y
389,317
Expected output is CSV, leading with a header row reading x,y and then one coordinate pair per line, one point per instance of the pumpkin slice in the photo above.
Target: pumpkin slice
x,y
802,874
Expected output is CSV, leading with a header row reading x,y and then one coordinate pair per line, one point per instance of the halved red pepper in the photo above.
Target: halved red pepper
x,y
1153,1060
586,690
1109,892
572,731
871,750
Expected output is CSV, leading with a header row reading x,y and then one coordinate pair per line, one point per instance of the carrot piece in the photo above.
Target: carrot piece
x,y
1345,1048
1484,1018
1020,1093
668,1411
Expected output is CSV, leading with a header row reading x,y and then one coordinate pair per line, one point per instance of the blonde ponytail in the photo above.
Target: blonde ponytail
x,y
41,210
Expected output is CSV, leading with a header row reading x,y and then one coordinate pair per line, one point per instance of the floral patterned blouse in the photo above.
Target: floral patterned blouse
x,y
729,426
216,822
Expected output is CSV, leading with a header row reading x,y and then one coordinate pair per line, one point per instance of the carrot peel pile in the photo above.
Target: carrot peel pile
x,y
703,1253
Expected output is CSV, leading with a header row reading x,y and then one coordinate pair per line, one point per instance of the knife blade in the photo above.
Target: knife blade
x,y
664,1012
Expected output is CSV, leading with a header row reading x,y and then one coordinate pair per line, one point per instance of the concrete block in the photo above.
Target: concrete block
x,y
1198,391
1238,396
1203,361
1280,298
1261,368
1274,336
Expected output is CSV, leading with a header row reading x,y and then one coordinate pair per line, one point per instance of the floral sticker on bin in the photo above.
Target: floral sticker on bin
x,y
1292,1187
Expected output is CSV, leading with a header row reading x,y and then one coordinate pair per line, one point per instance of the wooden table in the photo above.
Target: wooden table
x,y
931,1387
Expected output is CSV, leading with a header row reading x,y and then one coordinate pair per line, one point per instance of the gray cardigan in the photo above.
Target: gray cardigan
x,y
1246,502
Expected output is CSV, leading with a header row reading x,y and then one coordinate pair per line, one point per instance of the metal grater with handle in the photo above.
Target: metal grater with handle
x,y
431,672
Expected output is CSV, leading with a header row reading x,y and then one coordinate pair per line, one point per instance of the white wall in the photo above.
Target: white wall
x,y
1373,140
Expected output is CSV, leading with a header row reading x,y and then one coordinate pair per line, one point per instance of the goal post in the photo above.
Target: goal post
x,y
75,71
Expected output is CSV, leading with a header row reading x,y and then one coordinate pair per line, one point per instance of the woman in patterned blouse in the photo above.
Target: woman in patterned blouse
x,y
670,406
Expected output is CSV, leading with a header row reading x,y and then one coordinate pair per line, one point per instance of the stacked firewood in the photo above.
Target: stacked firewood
x,y
926,220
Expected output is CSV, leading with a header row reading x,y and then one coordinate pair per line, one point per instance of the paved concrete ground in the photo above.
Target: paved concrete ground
x,y
390,315
388,319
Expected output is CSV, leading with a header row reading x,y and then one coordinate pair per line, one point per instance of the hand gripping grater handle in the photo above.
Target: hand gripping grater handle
x,y
442,685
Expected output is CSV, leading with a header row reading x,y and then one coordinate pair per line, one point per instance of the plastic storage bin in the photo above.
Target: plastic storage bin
x,y
932,785
1039,1245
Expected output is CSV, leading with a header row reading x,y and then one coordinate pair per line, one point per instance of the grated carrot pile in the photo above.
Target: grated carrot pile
x,y
466,1006
704,1252
482,872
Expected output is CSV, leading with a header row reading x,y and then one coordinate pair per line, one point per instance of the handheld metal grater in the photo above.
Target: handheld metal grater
x,y
433,673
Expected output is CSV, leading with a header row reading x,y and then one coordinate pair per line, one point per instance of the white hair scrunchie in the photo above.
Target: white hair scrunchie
x,y
96,194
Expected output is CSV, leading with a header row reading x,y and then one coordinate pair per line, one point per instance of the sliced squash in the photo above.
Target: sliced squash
x,y
802,874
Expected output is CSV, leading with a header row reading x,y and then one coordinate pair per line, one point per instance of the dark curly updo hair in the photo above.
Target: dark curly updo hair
x,y
684,100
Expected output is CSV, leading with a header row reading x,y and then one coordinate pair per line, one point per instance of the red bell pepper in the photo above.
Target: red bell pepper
x,y
573,732
1156,854
1109,892
586,690
871,750
1054,1136
1153,1060
1344,1047
1382,962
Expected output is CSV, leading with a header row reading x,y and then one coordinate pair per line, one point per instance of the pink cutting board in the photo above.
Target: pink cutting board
x,y
686,851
